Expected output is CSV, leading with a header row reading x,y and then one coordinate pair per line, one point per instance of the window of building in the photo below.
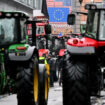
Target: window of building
x,y
30,2
25,1
34,3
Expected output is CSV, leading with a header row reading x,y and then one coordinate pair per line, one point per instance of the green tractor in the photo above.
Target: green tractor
x,y
19,59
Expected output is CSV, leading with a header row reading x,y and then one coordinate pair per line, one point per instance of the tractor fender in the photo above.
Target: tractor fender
x,y
62,52
83,46
80,50
22,56
42,72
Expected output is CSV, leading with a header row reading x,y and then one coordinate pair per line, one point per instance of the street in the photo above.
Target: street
x,y
42,41
55,95
55,98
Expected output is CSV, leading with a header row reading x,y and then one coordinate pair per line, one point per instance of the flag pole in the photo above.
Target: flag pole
x,y
44,9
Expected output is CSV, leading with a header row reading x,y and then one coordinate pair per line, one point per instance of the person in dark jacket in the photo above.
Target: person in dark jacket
x,y
51,71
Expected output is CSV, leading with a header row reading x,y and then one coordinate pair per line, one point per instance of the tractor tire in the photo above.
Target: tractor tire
x,y
43,85
75,82
57,70
28,83
60,78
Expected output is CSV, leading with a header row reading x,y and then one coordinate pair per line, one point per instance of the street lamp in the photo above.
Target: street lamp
x,y
80,1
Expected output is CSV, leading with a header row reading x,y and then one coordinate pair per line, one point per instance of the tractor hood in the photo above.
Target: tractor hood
x,y
83,45
82,42
85,42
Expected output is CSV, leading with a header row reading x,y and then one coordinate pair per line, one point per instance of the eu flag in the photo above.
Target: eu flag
x,y
58,14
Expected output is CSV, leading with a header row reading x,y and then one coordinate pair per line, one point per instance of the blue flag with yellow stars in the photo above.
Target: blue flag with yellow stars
x,y
58,14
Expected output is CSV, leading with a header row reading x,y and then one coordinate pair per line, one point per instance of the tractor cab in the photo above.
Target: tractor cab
x,y
12,28
43,31
58,43
40,32
94,36
42,35
95,21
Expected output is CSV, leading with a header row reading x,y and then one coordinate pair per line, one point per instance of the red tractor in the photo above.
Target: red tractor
x,y
57,49
41,36
84,59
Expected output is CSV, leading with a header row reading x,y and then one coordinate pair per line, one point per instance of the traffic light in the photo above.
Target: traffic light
x,y
80,1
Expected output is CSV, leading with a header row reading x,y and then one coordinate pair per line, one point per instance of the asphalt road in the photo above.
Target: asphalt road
x,y
55,98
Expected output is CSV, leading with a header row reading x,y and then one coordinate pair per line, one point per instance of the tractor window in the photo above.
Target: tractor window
x,y
29,29
40,43
102,26
92,23
57,44
23,29
8,31
40,30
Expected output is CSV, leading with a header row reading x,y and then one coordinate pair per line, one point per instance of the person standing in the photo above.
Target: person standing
x,y
51,71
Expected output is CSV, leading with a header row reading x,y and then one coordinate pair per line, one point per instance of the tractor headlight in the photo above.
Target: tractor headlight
x,y
22,15
87,7
93,7
90,6
8,14
0,13
16,15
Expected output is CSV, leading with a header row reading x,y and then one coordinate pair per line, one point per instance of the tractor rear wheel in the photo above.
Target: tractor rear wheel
x,y
28,84
43,85
75,82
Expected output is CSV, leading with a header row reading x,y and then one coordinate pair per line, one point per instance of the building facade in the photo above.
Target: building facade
x,y
81,19
76,7
20,5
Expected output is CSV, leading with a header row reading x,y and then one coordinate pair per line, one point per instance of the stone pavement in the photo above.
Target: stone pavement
x,y
8,100
55,97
